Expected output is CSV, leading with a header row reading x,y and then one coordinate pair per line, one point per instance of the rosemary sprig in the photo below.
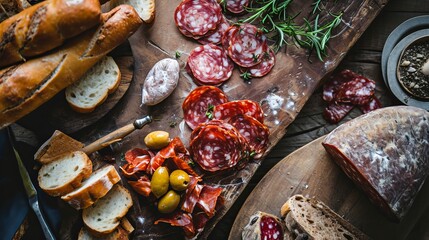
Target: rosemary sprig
x,y
274,20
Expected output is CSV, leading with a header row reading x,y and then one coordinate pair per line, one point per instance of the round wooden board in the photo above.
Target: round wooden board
x,y
311,172
56,114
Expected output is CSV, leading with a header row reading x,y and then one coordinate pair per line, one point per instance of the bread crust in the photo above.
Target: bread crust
x,y
85,197
59,143
45,26
25,87
73,183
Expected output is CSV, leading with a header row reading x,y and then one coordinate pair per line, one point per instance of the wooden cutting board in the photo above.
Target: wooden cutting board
x,y
310,171
282,94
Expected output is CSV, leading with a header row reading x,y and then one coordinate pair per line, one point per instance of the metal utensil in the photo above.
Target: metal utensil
x,y
30,190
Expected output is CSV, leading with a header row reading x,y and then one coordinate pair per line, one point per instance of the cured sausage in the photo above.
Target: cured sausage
x,y
226,38
358,91
236,6
334,112
209,65
195,18
228,110
247,46
199,103
255,133
264,67
265,226
216,148
386,153
216,36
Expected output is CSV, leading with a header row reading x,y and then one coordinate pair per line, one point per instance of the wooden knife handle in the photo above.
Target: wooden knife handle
x,y
110,138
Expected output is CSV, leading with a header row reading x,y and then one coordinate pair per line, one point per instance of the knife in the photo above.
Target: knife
x,y
30,190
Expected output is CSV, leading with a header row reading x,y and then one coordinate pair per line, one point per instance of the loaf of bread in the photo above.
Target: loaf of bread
x,y
25,87
9,8
93,188
45,26
386,154
58,144
104,216
65,173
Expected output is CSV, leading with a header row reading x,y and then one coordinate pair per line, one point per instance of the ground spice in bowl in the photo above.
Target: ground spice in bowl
x,y
413,69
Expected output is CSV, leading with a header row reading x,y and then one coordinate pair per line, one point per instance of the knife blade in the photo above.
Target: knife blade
x,y
30,189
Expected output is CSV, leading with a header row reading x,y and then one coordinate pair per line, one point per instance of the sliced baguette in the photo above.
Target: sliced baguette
x,y
104,215
311,219
93,188
58,144
94,87
145,8
118,234
65,173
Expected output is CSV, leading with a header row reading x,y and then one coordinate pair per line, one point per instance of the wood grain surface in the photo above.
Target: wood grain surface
x,y
310,171
282,95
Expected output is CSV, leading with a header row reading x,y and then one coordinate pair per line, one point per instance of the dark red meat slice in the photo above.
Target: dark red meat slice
x,y
215,149
358,91
334,112
216,36
198,102
255,133
177,219
236,6
264,67
271,228
371,106
191,198
141,186
210,65
195,18
224,125
200,219
265,226
138,160
247,46
226,38
208,199
334,84
228,110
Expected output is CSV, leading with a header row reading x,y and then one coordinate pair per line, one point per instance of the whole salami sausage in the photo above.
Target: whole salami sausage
x,y
209,65
199,103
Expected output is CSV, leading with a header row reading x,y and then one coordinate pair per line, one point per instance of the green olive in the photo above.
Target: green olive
x,y
157,140
159,182
169,202
179,180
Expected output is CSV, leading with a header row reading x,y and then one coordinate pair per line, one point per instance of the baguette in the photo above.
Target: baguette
x,y
307,218
65,173
93,188
45,26
58,144
25,87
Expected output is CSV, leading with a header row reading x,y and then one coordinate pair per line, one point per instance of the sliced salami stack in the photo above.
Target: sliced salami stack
x,y
225,133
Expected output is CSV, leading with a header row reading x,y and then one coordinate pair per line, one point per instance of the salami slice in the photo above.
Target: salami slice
x,y
228,110
237,6
208,199
264,67
247,46
210,65
336,111
334,84
216,36
254,132
198,103
215,149
371,106
226,38
358,91
195,18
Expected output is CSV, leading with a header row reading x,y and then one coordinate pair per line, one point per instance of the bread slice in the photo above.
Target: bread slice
x,y
93,188
104,215
58,144
92,89
145,8
118,234
65,173
311,219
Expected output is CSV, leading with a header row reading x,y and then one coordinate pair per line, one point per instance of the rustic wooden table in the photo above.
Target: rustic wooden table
x,y
364,58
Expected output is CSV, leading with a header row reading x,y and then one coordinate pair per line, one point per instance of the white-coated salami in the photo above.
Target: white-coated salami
x,y
386,153
264,67
247,46
199,103
209,65
216,36
195,18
